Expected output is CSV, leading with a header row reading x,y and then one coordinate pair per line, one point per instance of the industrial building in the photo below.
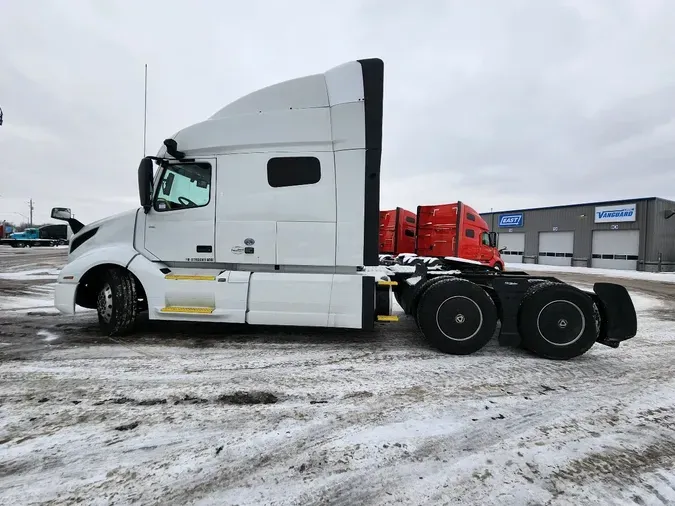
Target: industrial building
x,y
623,234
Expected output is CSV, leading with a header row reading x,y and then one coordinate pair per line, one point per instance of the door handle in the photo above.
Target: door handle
x,y
204,248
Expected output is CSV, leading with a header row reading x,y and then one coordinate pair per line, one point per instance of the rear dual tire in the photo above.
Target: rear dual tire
x,y
409,298
456,316
557,321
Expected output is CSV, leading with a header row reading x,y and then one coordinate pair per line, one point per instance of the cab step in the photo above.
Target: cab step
x,y
190,277
187,310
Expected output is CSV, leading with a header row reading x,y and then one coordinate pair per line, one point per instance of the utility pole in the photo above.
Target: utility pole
x,y
30,204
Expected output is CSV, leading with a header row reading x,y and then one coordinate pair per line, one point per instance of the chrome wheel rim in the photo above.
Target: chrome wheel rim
x,y
105,303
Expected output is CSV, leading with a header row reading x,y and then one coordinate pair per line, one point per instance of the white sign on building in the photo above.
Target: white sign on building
x,y
613,214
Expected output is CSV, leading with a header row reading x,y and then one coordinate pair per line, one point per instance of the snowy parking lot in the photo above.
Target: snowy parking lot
x,y
205,414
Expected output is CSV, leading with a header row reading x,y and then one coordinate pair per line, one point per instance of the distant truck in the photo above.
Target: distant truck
x,y
397,231
47,235
5,230
439,231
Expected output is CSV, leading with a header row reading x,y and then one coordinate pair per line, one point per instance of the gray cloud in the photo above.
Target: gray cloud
x,y
499,103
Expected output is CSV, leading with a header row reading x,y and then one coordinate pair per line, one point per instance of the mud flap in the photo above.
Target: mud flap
x,y
618,316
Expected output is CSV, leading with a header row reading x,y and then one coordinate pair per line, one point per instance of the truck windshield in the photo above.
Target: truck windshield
x,y
184,186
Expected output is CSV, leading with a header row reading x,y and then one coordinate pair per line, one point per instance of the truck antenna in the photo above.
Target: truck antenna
x,y
145,110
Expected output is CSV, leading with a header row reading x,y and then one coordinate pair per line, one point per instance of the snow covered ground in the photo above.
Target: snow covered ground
x,y
33,297
37,297
665,277
191,414
31,275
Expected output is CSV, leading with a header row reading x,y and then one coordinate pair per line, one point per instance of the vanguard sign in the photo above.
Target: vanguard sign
x,y
613,214
511,220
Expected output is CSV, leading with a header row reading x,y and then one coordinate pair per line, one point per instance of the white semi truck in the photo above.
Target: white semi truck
x,y
268,213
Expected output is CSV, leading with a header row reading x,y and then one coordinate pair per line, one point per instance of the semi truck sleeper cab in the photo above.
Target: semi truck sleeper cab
x,y
268,213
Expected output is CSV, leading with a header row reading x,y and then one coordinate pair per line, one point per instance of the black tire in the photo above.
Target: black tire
x,y
557,321
416,294
456,316
116,302
406,294
399,299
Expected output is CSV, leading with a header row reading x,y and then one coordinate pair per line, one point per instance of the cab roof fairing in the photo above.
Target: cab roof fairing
x,y
311,94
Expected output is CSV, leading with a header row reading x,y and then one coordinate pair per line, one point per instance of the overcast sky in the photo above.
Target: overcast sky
x,y
500,103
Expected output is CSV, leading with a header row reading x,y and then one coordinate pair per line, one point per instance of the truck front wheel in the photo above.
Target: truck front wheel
x,y
117,302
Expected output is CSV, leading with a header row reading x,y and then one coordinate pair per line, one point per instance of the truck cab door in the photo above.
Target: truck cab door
x,y
180,226
486,249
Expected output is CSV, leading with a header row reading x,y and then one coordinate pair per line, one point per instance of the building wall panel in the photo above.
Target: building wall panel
x,y
649,217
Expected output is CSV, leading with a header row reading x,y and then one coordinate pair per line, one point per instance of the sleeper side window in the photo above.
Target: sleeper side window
x,y
469,232
293,171
184,186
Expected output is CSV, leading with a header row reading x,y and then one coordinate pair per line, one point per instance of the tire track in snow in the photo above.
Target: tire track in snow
x,y
397,478
276,456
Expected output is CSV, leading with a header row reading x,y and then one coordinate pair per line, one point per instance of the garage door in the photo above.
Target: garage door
x,y
615,249
556,248
515,247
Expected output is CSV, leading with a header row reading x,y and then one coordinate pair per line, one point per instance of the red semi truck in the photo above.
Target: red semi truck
x,y
397,231
445,230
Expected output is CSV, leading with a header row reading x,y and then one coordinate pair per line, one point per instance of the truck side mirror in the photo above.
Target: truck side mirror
x,y
61,213
64,214
145,171
493,239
